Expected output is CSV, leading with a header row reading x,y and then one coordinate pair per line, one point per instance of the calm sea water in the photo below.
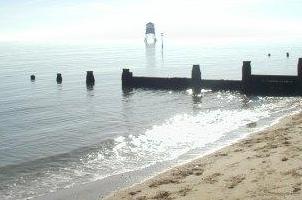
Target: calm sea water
x,y
55,136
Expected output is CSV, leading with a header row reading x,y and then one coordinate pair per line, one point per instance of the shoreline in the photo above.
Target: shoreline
x,y
266,164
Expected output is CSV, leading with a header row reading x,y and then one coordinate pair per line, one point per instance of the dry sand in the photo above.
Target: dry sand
x,y
267,165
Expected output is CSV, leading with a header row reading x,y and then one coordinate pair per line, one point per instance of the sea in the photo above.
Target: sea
x,y
57,136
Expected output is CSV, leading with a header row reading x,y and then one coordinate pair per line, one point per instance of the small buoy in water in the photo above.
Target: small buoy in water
x,y
32,77
59,78
287,54
269,55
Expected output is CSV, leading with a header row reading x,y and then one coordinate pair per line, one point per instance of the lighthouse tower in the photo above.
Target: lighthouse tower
x,y
150,38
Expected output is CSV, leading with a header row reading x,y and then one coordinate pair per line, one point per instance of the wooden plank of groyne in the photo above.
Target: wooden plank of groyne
x,y
277,85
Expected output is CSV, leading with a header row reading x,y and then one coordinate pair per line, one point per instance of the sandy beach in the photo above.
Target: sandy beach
x,y
266,165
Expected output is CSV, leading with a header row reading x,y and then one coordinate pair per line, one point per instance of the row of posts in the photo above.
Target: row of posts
x,y
246,70
196,75
247,73
89,78
287,55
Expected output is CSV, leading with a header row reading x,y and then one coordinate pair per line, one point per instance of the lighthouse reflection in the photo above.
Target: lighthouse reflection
x,y
150,55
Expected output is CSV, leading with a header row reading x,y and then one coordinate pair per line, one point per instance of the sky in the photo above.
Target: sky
x,y
114,20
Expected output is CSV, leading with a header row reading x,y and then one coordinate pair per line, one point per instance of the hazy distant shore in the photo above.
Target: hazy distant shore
x,y
266,165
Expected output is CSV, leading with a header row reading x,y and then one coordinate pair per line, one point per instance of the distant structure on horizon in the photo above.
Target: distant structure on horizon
x,y
150,37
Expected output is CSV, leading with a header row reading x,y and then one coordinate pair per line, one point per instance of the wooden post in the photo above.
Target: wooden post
x,y
32,77
126,78
90,78
246,75
300,68
59,78
196,77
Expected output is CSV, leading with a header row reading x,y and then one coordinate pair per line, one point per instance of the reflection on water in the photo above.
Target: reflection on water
x,y
127,91
150,55
89,87
60,86
197,98
245,102
162,57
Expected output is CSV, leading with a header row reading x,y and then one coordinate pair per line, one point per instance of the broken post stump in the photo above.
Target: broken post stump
x,y
300,68
196,77
59,78
126,78
32,77
90,78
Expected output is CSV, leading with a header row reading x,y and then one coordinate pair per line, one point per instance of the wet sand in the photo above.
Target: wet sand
x,y
266,165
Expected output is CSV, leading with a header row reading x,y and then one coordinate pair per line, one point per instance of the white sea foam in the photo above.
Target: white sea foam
x,y
182,133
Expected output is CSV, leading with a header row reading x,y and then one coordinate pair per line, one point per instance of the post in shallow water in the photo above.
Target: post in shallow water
x,y
59,78
32,77
196,78
90,79
246,75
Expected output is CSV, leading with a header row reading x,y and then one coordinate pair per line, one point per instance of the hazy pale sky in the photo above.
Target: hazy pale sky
x,y
103,20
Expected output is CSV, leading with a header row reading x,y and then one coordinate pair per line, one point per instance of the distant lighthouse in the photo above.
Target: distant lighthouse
x,y
150,38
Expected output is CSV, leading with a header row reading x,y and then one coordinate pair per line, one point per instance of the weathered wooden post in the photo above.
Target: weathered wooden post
x,y
126,78
196,75
90,78
300,75
246,76
196,78
32,77
59,78
300,68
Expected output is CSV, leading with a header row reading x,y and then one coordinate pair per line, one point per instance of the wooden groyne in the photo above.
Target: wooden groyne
x,y
271,85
